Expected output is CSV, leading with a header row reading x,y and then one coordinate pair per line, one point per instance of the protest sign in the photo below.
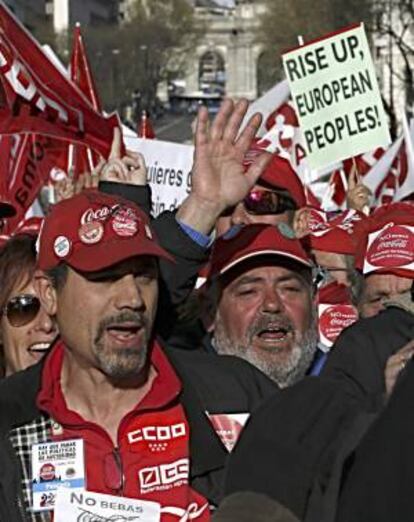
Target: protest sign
x,y
86,506
169,170
336,96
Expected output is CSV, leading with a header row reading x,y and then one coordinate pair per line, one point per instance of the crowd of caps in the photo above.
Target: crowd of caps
x,y
279,283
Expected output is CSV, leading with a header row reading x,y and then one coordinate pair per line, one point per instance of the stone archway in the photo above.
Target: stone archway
x,y
212,73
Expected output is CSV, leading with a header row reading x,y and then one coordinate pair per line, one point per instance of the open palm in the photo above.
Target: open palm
x,y
218,174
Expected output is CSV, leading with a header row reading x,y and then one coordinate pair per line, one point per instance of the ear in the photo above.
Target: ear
x,y
208,307
301,222
46,292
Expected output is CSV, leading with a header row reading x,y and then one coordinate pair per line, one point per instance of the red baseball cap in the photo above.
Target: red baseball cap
x,y
385,241
336,235
279,174
92,231
249,241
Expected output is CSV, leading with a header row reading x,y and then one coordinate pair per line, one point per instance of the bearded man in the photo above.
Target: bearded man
x,y
260,297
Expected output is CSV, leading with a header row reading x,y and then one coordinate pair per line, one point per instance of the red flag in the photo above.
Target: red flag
x,y
26,169
364,163
6,157
394,178
80,70
36,97
339,188
145,128
80,158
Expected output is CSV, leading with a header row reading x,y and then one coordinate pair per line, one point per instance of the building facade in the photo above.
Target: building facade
x,y
225,61
66,13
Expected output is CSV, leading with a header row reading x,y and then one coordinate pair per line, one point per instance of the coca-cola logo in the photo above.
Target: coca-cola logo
x,y
124,223
333,319
393,246
96,214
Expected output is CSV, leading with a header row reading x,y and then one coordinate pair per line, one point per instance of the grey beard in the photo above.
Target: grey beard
x,y
283,373
121,364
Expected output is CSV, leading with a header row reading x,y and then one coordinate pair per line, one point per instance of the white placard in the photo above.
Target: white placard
x,y
85,506
336,96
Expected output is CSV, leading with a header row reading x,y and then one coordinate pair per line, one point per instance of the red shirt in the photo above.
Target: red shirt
x,y
151,459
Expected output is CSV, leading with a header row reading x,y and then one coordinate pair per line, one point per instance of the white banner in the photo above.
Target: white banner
x,y
169,170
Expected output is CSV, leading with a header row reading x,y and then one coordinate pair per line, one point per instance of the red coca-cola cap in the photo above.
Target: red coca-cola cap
x,y
250,241
93,231
385,241
336,235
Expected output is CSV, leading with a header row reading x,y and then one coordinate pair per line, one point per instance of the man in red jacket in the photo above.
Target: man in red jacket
x,y
109,410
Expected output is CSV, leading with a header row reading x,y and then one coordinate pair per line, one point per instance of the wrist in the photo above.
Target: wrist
x,y
199,213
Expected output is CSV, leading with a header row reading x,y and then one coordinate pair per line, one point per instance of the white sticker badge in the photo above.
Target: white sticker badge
x,y
56,465
62,246
75,506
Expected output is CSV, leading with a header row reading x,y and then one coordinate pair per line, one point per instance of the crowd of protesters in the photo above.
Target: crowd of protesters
x,y
246,357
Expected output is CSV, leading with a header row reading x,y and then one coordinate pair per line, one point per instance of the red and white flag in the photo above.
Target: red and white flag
x,y
80,158
26,161
267,104
145,129
406,180
37,98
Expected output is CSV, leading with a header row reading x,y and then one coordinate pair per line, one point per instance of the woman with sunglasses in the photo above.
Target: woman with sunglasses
x,y
26,331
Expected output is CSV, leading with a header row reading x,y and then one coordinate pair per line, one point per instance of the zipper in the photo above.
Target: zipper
x,y
118,459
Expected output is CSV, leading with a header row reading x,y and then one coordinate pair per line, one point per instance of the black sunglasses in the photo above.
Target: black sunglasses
x,y
263,202
21,309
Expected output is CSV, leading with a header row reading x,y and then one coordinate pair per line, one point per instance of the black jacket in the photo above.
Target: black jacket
x,y
378,485
359,356
213,384
294,446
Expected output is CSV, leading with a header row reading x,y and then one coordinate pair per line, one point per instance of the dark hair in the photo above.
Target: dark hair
x,y
58,275
17,264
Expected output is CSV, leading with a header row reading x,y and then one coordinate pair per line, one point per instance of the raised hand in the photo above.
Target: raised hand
x,y
127,169
358,195
64,189
219,179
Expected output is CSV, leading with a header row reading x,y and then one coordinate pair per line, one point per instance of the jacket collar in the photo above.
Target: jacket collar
x,y
18,395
